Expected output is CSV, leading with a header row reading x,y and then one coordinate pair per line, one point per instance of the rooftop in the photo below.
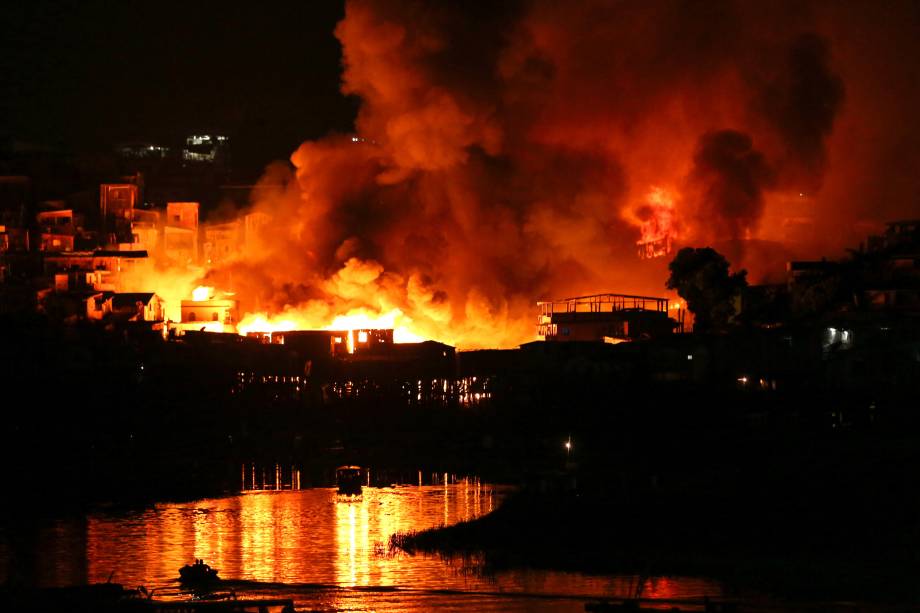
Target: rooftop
x,y
603,303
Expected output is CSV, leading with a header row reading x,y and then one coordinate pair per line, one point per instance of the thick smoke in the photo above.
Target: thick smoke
x,y
507,155
802,104
726,185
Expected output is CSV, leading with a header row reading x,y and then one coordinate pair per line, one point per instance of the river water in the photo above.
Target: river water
x,y
326,553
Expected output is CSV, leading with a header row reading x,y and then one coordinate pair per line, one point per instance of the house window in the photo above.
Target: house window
x,y
191,316
214,316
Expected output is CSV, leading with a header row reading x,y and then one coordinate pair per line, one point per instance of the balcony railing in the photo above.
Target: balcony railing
x,y
602,303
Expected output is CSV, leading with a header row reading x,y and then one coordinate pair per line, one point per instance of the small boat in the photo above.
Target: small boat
x,y
198,573
348,479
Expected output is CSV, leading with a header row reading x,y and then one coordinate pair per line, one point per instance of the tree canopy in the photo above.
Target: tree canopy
x,y
701,277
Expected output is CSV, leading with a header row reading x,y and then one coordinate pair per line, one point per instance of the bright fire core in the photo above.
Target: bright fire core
x,y
354,320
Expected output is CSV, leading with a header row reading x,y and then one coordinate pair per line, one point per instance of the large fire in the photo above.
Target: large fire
x,y
656,219
353,320
504,157
202,293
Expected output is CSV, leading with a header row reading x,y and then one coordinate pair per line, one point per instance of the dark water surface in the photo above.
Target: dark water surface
x,y
324,552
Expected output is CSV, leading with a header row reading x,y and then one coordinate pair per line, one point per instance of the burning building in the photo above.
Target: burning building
x,y
569,144
337,342
207,312
464,193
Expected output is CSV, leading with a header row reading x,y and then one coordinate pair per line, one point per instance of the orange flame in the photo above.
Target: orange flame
x,y
655,218
202,293
356,319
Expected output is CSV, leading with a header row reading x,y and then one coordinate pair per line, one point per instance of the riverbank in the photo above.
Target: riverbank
x,y
804,538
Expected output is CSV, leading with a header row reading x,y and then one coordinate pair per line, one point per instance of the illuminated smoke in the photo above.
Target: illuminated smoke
x,y
507,155
803,104
725,187
657,226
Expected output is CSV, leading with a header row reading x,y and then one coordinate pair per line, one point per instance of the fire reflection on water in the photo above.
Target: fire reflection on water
x,y
290,538
306,536
346,540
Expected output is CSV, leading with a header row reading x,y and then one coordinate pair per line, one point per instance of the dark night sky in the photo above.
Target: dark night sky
x,y
86,75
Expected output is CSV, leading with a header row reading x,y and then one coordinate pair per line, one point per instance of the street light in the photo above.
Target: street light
x,y
568,447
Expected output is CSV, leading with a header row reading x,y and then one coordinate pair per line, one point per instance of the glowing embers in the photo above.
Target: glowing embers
x,y
657,224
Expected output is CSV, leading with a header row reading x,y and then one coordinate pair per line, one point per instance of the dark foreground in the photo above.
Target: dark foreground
x,y
825,522
114,598
767,465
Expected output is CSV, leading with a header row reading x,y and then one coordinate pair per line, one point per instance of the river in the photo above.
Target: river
x,y
326,553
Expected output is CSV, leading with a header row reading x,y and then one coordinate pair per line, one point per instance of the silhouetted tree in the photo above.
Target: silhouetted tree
x,y
701,277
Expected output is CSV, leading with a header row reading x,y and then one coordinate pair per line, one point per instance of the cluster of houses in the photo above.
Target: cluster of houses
x,y
854,323
94,265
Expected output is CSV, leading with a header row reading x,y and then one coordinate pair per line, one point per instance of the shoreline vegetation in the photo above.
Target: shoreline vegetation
x,y
791,542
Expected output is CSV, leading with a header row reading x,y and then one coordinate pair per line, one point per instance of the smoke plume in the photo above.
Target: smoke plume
x,y
505,155
726,185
